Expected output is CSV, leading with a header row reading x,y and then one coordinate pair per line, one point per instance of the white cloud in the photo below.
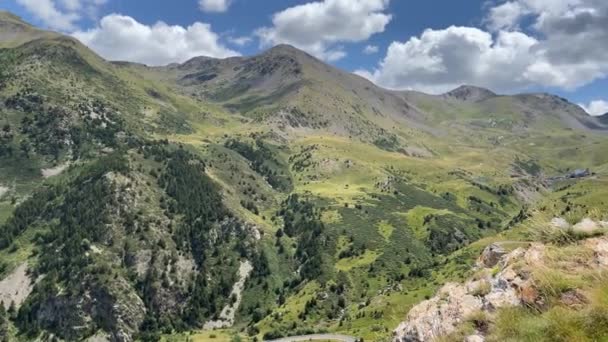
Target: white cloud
x,y
62,15
214,5
440,60
240,41
370,49
505,16
71,5
509,14
123,38
319,27
50,15
597,107
563,45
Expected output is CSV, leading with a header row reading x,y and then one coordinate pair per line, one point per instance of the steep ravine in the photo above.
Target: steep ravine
x,y
226,318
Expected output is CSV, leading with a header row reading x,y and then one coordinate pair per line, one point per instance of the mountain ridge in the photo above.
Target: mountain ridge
x,y
15,31
308,68
464,92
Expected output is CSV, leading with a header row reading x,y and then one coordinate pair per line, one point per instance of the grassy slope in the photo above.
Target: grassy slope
x,y
565,268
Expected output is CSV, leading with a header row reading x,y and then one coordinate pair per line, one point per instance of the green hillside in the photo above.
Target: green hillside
x,y
132,198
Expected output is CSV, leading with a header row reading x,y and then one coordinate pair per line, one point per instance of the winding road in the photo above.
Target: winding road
x,y
316,337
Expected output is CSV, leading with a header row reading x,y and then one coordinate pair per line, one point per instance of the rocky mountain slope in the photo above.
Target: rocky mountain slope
x,y
524,291
133,199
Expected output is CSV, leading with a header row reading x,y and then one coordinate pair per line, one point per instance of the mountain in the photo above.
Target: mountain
x,y
270,195
307,93
286,88
470,93
14,31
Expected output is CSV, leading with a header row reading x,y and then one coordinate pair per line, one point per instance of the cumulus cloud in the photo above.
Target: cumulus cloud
x,y
440,60
370,49
320,27
562,44
597,107
121,37
49,14
214,5
62,15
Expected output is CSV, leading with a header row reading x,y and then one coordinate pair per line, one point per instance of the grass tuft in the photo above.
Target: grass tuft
x,y
483,288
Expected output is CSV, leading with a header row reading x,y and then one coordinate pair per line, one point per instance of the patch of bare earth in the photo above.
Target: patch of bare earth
x,y
16,286
54,171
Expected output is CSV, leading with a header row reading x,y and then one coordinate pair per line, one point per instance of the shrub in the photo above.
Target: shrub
x,y
483,288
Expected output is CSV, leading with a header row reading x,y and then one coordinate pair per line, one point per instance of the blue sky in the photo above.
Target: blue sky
x,y
432,45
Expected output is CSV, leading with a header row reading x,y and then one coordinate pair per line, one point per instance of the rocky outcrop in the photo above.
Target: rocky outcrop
x,y
439,315
442,314
511,284
585,226
491,255
116,310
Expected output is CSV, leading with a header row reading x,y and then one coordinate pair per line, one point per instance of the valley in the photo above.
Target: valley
x,y
266,197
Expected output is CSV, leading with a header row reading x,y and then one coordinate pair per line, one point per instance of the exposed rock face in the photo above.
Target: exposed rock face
x,y
470,93
16,286
513,285
491,255
442,314
559,222
574,298
438,315
586,226
117,310
226,318
474,338
599,246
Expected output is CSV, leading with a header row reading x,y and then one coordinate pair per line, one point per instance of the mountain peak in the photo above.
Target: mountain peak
x,y
15,31
8,16
9,23
288,50
470,93
285,48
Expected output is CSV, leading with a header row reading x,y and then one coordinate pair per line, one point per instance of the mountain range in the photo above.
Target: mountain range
x,y
263,196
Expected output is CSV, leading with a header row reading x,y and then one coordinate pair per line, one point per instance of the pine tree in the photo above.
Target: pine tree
x,y
3,324
12,310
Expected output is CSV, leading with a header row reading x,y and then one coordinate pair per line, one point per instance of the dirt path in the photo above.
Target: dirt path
x,y
226,318
316,337
16,286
